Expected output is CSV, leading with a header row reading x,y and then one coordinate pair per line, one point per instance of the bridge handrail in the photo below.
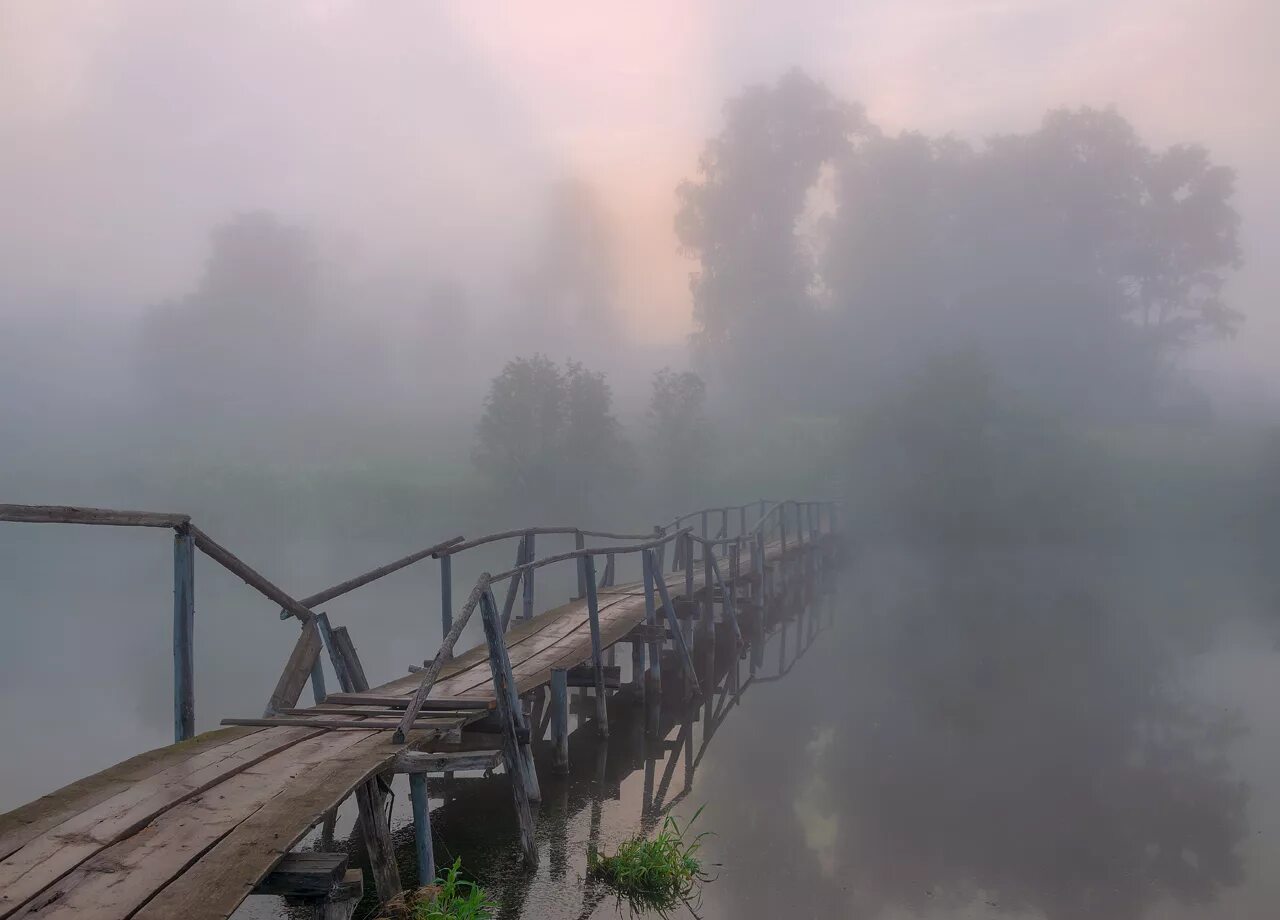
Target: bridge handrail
x,y
304,661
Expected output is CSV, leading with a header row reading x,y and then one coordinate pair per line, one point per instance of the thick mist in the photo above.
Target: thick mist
x,y
343,280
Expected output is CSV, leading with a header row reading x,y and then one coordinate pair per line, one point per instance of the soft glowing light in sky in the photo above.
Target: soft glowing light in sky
x,y
427,132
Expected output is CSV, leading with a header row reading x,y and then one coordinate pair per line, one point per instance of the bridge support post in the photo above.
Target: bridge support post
x,y
508,706
560,720
422,828
377,839
184,614
588,570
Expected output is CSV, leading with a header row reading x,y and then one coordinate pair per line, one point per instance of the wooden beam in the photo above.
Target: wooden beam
x,y
400,702
347,649
584,675
69,514
297,670
445,761
377,839
367,724
233,564
305,875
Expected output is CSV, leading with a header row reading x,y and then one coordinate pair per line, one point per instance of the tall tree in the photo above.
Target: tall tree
x,y
1076,258
753,290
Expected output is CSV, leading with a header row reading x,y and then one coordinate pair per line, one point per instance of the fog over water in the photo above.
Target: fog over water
x,y
341,280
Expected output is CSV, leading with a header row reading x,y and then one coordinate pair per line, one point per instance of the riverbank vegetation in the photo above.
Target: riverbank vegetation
x,y
657,874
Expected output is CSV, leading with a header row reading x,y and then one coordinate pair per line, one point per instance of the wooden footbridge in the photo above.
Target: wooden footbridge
x,y
191,829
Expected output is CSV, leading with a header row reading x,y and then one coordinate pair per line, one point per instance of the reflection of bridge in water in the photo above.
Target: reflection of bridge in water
x,y
192,829
667,747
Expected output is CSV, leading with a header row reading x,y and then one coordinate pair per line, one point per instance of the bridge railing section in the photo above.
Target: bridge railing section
x,y
303,665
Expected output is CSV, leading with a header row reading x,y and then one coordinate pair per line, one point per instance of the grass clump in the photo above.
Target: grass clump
x,y
447,898
455,899
659,874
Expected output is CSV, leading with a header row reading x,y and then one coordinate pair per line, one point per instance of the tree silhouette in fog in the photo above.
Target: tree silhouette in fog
x,y
679,443
1077,259
243,338
549,436
752,293
999,733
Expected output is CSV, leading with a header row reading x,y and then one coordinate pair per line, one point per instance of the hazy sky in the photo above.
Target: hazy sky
x,y
425,132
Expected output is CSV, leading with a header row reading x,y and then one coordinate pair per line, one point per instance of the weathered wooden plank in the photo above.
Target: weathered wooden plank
x,y
298,669
305,875
45,858
378,844
212,888
400,702
120,878
426,724
442,761
347,648
25,823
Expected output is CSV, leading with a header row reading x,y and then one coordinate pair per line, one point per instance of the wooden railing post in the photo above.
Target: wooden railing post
x,y
527,606
677,637
446,594
653,676
588,568
580,542
184,612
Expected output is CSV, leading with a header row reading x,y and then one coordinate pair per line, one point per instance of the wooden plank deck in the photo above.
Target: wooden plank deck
x,y
189,830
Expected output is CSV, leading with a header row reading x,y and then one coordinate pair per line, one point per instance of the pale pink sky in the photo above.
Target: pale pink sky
x,y
426,132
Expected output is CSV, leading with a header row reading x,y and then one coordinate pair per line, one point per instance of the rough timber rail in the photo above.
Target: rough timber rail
x,y
191,829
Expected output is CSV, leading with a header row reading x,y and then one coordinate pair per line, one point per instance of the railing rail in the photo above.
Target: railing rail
x,y
304,661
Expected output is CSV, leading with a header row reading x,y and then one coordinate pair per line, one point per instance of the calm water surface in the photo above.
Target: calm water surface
x,y
986,734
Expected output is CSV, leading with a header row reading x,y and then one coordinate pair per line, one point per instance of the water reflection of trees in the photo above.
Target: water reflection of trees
x,y
999,734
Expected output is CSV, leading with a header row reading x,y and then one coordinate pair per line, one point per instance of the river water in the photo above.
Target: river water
x,y
972,733
1052,732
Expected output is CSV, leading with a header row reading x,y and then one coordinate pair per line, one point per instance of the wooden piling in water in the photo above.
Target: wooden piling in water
x,y
422,845
559,720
